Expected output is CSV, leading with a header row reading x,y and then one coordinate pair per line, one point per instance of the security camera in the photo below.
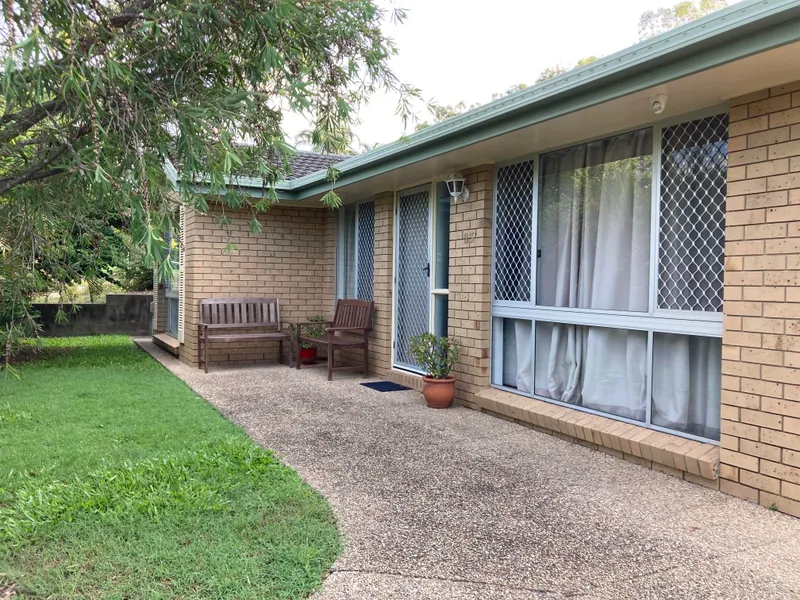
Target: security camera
x,y
659,103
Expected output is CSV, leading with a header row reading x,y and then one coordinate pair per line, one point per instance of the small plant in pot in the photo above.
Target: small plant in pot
x,y
438,356
314,328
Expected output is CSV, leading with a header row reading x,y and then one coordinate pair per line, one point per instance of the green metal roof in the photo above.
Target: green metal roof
x,y
730,34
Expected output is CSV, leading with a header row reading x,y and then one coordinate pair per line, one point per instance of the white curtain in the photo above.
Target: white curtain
x,y
594,224
687,379
346,253
595,252
517,354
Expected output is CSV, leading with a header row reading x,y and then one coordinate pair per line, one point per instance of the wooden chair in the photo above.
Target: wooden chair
x,y
350,328
241,314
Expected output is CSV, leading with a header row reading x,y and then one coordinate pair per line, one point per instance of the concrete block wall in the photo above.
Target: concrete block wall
x,y
292,259
760,445
120,314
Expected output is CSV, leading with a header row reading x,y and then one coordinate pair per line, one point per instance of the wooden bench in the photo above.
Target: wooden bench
x,y
240,314
349,329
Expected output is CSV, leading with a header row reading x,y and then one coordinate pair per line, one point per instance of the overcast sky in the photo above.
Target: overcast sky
x,y
466,50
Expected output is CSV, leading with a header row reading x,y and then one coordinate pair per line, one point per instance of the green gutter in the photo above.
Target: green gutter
x,y
250,186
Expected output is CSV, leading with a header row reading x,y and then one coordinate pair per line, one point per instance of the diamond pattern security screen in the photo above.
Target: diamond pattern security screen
x,y
413,268
694,165
366,251
513,230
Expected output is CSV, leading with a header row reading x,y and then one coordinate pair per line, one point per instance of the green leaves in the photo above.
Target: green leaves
x,y
437,355
331,200
96,98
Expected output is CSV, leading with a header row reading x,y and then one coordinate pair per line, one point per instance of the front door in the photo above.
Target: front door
x,y
413,293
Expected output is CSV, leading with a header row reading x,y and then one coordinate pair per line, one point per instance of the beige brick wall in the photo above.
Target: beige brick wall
x,y
470,282
760,445
160,306
381,340
293,259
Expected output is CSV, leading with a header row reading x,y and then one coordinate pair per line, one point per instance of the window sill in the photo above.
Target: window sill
x,y
687,459
167,342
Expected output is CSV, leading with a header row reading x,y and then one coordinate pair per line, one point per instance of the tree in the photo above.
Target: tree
x,y
441,112
653,23
513,89
555,70
95,96
551,72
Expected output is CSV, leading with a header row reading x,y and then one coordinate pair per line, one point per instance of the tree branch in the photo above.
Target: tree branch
x,y
39,170
31,172
37,177
133,12
22,121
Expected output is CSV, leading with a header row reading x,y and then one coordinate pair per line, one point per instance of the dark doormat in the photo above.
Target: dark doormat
x,y
385,386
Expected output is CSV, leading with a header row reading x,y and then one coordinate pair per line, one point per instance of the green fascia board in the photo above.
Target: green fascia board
x,y
741,30
250,186
253,192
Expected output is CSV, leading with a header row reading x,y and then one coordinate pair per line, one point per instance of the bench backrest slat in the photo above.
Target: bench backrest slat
x,y
258,312
353,313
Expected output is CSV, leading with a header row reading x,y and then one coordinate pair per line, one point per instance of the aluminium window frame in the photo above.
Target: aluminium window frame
x,y
433,240
173,288
655,320
341,252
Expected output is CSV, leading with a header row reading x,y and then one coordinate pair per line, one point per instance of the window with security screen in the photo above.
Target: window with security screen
x,y
694,169
513,227
355,250
608,276
366,249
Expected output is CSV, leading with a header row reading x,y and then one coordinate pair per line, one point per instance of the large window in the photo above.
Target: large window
x,y
607,282
355,254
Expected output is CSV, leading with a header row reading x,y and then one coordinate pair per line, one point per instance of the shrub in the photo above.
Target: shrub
x,y
437,355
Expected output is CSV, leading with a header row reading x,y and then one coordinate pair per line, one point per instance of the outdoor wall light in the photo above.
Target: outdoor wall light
x,y
659,103
457,186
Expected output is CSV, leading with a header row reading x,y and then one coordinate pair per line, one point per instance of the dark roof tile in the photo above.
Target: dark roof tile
x,y
305,163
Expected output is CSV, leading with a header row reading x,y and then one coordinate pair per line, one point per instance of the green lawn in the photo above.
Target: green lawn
x,y
118,482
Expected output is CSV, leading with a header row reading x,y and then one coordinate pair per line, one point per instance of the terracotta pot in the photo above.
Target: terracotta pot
x,y
439,393
308,355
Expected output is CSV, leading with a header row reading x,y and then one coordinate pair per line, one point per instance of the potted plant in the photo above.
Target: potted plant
x,y
315,328
438,356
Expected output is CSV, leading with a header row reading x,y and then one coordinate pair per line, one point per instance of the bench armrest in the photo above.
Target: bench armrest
x,y
335,329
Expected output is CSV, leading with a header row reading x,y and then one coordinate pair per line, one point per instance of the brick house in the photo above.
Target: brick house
x,y
624,273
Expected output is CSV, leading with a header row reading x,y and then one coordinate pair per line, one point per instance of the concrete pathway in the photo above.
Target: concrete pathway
x,y
457,504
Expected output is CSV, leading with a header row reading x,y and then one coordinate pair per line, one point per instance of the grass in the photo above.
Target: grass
x,y
118,482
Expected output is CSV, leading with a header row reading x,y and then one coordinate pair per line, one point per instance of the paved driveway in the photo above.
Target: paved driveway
x,y
456,504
